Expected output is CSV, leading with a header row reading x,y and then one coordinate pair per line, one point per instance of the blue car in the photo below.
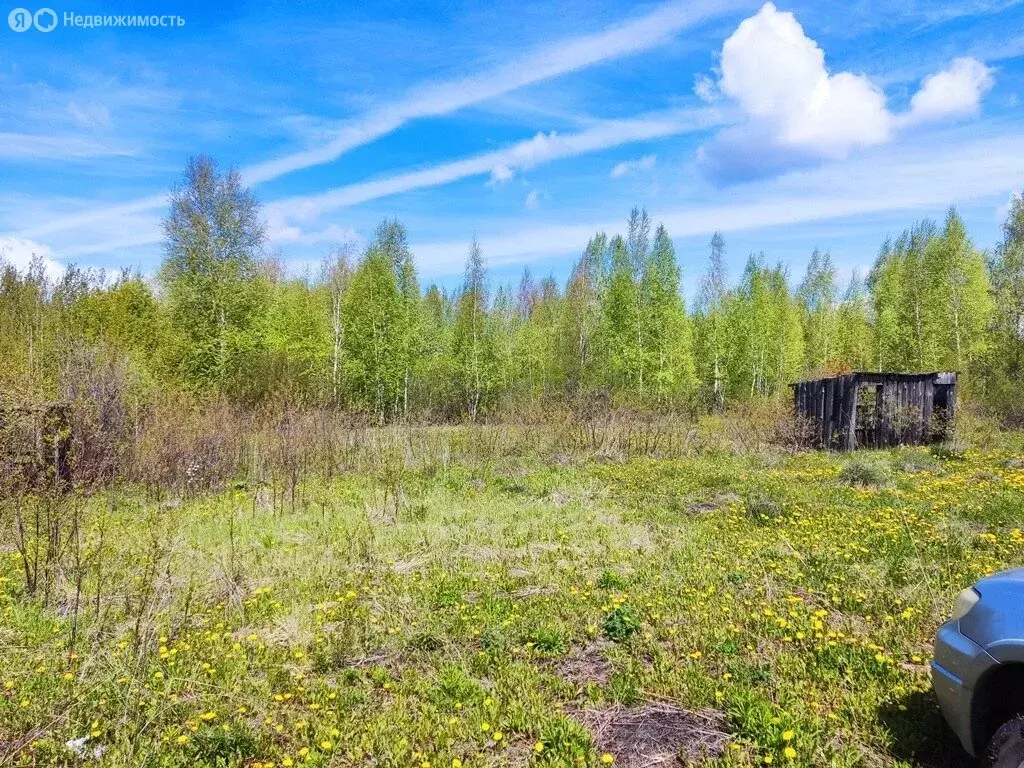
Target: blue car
x,y
978,669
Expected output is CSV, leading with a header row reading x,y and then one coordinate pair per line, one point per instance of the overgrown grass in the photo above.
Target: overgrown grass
x,y
400,615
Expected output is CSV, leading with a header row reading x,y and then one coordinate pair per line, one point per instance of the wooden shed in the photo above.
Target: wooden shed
x,y
875,410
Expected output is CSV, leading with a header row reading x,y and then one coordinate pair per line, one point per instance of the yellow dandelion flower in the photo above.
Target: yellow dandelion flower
x,y
788,735
789,752
607,759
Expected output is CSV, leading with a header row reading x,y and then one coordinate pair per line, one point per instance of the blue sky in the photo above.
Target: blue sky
x,y
530,124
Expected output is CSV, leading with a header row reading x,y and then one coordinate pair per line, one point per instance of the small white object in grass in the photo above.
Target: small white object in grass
x,y
78,746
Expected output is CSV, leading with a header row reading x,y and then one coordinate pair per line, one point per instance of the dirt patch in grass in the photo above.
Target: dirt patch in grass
x,y
585,665
656,734
531,590
516,754
710,505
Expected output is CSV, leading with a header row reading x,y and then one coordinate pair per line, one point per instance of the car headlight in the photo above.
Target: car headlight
x,y
964,602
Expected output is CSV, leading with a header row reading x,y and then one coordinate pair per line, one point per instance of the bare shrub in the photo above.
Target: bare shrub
x,y
99,390
795,433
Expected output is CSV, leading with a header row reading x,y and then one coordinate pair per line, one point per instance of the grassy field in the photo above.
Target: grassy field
x,y
734,610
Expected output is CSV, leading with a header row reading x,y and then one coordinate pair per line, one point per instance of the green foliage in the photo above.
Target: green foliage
x,y
765,339
665,326
865,472
334,646
376,319
220,747
216,293
817,298
621,623
565,742
473,337
1006,360
610,580
931,298
362,335
549,640
762,508
620,322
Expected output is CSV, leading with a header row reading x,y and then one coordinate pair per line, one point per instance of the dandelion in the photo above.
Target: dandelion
x,y
538,747
788,735
498,736
456,763
326,746
607,759
789,752
183,738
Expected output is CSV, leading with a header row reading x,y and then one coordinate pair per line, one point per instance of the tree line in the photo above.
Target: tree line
x,y
222,319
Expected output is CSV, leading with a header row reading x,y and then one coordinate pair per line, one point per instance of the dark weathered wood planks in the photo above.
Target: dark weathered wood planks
x,y
902,408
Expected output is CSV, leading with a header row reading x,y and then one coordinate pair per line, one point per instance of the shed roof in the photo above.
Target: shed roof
x,y
891,375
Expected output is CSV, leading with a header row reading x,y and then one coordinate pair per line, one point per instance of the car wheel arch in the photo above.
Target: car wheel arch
x,y
998,697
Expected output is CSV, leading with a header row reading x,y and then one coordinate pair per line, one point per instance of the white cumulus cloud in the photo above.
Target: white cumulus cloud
x,y
955,91
778,76
798,112
19,252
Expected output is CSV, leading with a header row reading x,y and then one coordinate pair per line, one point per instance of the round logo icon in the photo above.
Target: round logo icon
x,y
20,19
45,20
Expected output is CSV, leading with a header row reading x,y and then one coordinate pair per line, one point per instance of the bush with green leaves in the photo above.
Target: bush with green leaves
x,y
865,472
621,623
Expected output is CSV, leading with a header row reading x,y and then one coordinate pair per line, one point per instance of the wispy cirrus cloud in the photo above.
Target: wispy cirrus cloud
x,y
564,56
550,61
500,164
891,179
626,167
286,216
24,146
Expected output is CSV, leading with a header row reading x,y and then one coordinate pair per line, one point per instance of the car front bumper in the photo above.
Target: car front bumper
x,y
957,664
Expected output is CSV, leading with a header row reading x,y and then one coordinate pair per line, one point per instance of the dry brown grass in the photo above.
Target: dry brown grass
x,y
656,733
